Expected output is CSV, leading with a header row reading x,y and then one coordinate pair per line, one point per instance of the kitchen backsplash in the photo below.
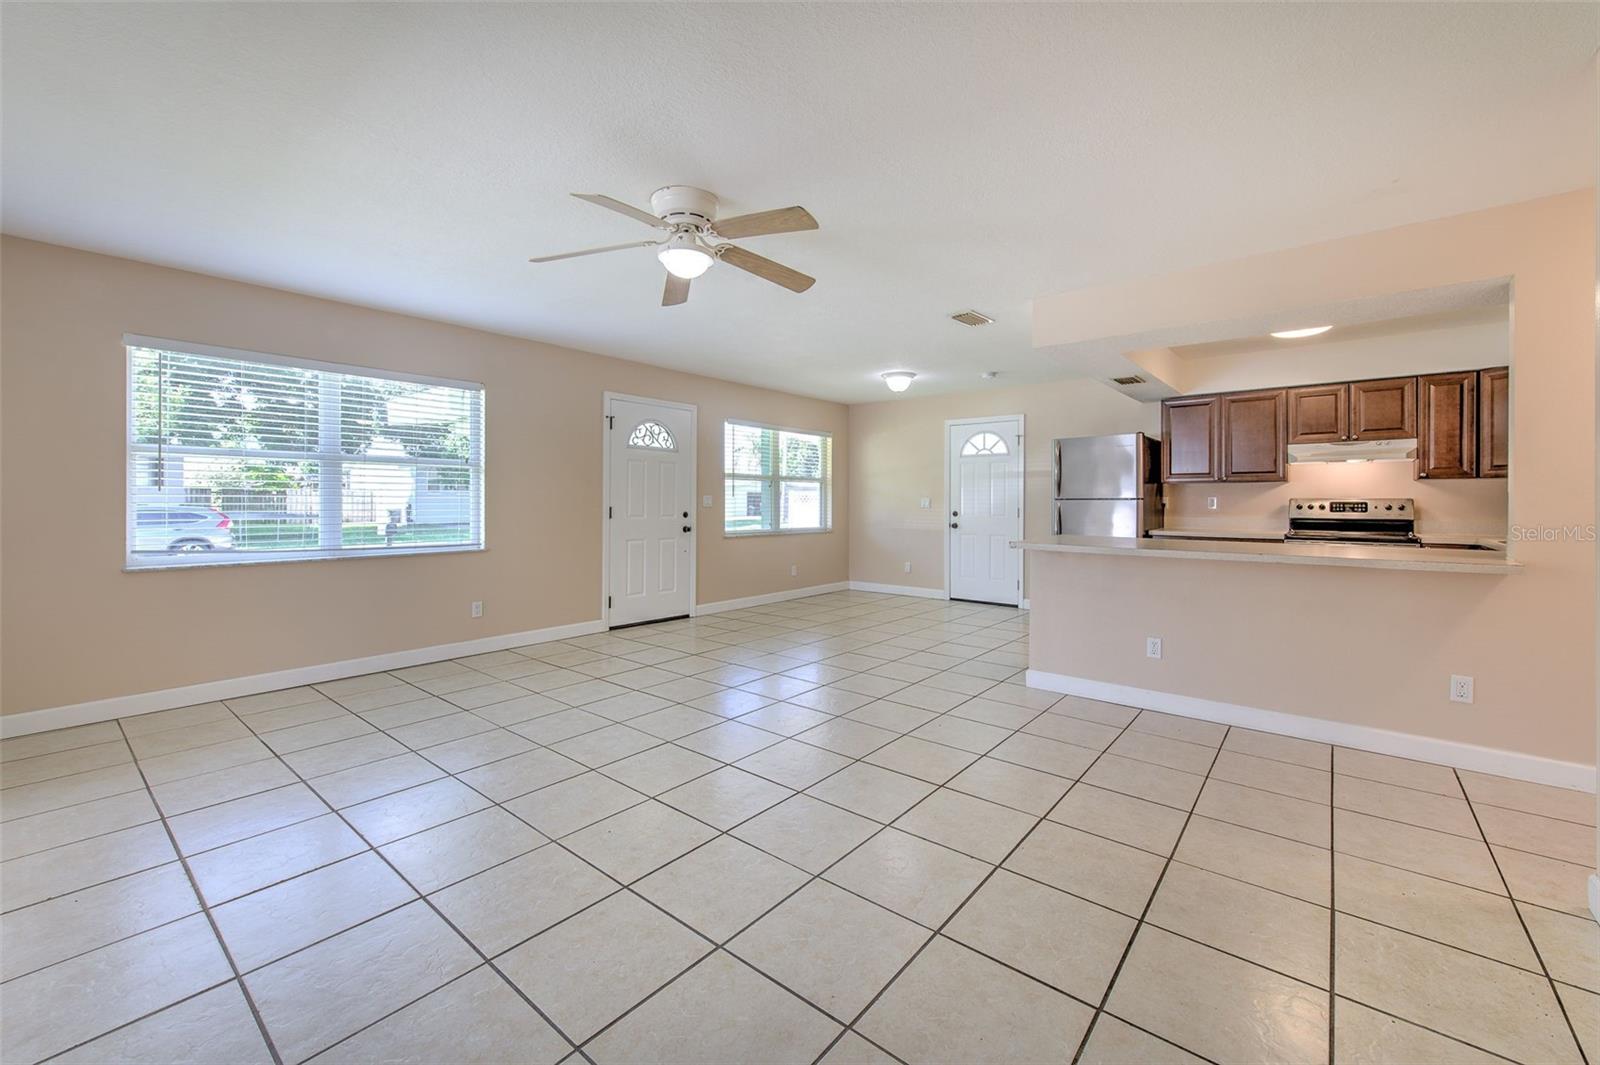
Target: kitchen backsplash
x,y
1475,505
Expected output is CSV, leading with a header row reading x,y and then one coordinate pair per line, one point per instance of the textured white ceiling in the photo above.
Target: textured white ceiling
x,y
413,156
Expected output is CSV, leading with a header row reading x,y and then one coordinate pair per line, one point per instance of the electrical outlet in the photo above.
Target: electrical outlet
x,y
1211,502
794,570
908,567
705,501
1152,647
1460,688
477,609
923,504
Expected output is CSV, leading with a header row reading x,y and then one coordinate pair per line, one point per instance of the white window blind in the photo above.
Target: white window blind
x,y
239,457
776,480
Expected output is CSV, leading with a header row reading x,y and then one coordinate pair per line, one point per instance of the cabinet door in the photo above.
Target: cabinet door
x,y
1189,439
1254,426
1319,414
1494,422
1383,410
1447,425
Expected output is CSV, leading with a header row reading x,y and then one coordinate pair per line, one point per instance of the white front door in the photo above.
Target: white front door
x,y
649,526
985,515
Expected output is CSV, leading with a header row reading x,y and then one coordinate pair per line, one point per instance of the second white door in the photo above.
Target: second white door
x,y
650,523
985,512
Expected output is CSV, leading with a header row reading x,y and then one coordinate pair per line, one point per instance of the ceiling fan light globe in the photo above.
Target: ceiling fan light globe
x,y
685,262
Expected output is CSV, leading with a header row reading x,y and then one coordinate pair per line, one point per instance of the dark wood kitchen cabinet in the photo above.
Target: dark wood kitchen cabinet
x,y
1254,426
1460,421
1189,438
1319,414
1384,409
1447,425
1494,422
1360,410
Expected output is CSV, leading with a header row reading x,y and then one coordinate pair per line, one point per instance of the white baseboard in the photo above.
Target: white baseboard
x,y
1026,604
1594,896
1513,764
724,605
898,589
233,688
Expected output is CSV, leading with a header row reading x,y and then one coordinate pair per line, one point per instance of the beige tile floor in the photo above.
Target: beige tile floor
x,y
836,829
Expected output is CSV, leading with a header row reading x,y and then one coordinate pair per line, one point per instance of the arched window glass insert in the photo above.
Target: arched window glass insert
x,y
984,444
652,435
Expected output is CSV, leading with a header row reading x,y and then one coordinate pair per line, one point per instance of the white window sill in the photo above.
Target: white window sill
x,y
223,559
772,532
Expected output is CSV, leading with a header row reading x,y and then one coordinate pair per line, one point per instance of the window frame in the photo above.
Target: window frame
x,y
775,480
142,563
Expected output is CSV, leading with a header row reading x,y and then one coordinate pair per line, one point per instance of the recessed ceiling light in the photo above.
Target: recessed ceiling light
x,y
1296,334
899,380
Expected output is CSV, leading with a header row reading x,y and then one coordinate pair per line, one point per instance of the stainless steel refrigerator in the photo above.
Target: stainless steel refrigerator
x,y
1106,485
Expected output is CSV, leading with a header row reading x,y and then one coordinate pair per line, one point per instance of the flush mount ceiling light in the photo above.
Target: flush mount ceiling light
x,y
1296,334
683,256
899,380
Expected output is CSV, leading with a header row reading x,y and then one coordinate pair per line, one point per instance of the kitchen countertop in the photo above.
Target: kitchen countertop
x,y
1276,536
1276,552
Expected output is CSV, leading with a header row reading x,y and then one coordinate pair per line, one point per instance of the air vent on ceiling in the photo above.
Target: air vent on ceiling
x,y
971,318
1131,379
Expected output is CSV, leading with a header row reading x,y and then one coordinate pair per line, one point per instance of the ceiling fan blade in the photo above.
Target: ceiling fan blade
x,y
595,251
621,208
765,268
677,291
783,220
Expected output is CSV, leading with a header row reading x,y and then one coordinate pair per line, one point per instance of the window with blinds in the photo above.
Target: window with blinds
x,y
240,457
776,480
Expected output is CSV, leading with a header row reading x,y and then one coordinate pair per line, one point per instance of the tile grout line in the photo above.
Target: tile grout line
x,y
995,867
423,898
1149,901
1532,943
205,908
1333,908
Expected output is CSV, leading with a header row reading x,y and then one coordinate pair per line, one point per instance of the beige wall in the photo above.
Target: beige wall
x,y
1275,638
76,628
1458,341
1364,647
897,457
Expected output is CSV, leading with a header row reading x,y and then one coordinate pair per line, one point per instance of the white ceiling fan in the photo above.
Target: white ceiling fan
x,y
689,215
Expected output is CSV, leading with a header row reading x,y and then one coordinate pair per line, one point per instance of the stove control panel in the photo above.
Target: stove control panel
x,y
1352,508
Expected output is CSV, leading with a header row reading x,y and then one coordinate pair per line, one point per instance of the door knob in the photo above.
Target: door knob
x,y
687,529
955,513
686,513
955,525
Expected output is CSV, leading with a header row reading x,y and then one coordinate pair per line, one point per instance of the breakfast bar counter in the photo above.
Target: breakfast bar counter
x,y
1277,552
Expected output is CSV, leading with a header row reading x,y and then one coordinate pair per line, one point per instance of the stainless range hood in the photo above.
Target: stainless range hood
x,y
1355,451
